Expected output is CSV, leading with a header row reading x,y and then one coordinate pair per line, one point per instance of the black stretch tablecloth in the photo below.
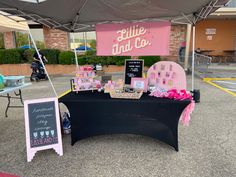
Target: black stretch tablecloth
x,y
94,113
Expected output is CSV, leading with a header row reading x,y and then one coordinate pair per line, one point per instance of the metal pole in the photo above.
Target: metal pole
x,y
29,41
85,40
188,36
42,63
76,58
193,56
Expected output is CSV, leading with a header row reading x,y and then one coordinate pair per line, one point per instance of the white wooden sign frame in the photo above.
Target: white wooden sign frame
x,y
32,150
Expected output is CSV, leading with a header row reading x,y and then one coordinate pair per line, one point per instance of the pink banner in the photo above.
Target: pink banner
x,y
133,39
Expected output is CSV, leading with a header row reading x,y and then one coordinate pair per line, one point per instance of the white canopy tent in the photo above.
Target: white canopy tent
x,y
18,24
7,24
83,15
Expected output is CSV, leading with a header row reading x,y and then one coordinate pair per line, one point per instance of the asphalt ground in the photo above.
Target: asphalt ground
x,y
229,85
207,147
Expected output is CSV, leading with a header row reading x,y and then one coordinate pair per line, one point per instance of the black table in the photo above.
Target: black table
x,y
94,113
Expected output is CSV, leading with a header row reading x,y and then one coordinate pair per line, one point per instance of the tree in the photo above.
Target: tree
x,y
93,44
1,41
21,39
40,44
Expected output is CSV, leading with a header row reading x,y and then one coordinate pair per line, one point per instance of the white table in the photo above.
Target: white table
x,y
8,90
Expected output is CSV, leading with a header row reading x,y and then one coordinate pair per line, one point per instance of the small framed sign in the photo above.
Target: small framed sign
x,y
210,31
42,126
133,68
209,38
139,83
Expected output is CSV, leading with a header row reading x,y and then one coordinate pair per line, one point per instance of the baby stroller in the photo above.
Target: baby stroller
x,y
38,72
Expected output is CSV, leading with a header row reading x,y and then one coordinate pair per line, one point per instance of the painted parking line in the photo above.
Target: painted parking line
x,y
226,84
234,90
229,85
64,93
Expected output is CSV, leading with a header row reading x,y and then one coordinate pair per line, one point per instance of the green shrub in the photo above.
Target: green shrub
x,y
28,55
102,60
120,63
51,55
111,61
90,52
1,56
150,60
82,60
10,56
92,59
66,58
21,52
120,60
107,60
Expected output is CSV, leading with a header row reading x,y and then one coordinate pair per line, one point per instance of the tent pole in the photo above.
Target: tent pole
x,y
32,39
85,34
193,55
188,36
76,58
29,41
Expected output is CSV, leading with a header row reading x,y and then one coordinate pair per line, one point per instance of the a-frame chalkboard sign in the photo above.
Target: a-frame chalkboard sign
x,y
42,126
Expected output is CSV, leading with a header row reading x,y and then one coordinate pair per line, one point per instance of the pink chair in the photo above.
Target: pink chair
x,y
167,75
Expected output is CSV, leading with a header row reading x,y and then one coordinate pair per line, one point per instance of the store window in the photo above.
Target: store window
x,y
23,39
83,39
231,4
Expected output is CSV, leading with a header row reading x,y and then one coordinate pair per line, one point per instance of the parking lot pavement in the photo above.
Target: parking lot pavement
x,y
207,145
218,71
227,85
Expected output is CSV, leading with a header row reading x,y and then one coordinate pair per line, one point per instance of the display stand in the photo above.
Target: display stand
x,y
84,80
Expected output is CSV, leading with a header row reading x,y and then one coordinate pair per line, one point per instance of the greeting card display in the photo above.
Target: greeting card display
x,y
84,80
167,75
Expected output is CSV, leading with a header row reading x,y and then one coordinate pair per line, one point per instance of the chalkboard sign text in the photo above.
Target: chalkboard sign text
x,y
42,124
133,68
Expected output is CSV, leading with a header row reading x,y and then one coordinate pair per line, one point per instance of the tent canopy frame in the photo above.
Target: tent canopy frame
x,y
77,26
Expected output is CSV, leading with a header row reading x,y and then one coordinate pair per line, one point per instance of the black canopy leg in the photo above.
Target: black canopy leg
x,y
8,104
19,94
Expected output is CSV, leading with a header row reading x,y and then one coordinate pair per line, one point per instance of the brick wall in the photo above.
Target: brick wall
x,y
9,40
178,35
56,39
